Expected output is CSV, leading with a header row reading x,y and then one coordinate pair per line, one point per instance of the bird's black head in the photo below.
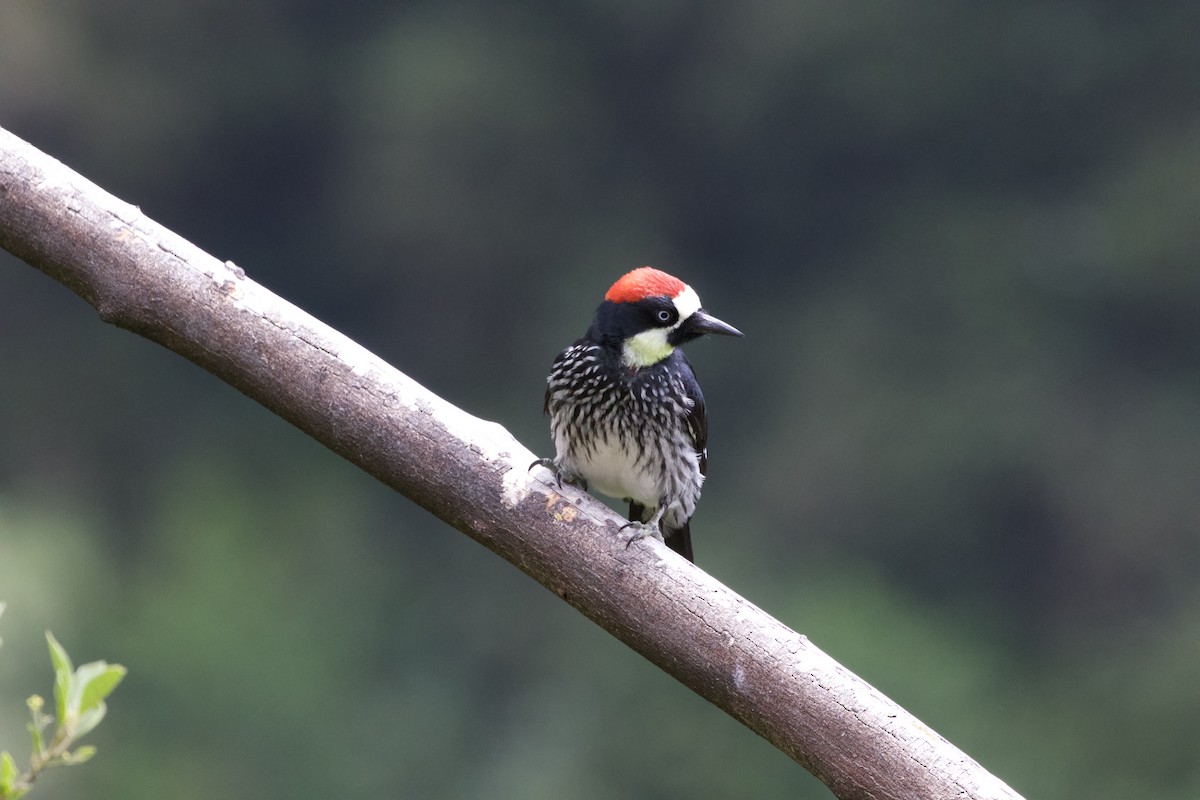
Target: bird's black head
x,y
648,313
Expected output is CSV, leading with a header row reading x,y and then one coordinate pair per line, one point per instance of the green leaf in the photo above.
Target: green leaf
x,y
87,688
8,778
8,773
97,680
62,675
88,720
58,656
79,755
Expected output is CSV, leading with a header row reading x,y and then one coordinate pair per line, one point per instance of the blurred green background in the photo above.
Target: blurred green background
x,y
959,446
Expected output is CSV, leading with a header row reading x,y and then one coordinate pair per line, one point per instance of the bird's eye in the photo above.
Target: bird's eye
x,y
664,315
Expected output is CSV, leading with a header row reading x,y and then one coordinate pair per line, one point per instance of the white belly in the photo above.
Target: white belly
x,y
613,470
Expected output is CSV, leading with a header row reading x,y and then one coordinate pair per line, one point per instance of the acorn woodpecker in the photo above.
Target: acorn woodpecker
x,y
625,410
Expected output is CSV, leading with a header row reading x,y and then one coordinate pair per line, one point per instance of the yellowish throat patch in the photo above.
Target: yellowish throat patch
x,y
646,348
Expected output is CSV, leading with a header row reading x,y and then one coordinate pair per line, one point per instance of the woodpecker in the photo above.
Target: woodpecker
x,y
625,410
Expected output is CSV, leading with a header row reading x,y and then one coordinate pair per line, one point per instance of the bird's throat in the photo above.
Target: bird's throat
x,y
646,348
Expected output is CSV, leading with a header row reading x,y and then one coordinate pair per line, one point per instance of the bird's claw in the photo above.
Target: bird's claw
x,y
548,463
643,530
559,476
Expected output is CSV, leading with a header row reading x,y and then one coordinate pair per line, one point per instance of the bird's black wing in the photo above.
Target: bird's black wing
x,y
696,420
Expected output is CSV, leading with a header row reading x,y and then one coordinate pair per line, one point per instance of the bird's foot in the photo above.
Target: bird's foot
x,y
643,530
559,474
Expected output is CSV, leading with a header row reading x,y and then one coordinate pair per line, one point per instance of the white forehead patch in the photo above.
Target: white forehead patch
x,y
687,303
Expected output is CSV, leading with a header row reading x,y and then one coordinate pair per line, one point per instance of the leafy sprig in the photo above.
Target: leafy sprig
x,y
79,696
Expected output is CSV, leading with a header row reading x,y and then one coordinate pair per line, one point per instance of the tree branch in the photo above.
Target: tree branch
x,y
474,475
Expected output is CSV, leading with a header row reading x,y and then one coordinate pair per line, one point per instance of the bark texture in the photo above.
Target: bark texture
x,y
474,475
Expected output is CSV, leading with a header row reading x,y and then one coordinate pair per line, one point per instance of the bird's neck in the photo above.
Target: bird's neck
x,y
646,349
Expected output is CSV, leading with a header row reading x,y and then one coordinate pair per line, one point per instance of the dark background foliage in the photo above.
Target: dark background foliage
x,y
959,446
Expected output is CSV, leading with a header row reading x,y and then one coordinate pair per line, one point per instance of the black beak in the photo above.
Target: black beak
x,y
698,324
702,322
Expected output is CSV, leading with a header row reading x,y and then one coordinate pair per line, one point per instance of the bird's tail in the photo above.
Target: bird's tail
x,y
680,540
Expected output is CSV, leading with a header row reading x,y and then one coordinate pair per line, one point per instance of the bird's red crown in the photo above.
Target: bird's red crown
x,y
644,282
